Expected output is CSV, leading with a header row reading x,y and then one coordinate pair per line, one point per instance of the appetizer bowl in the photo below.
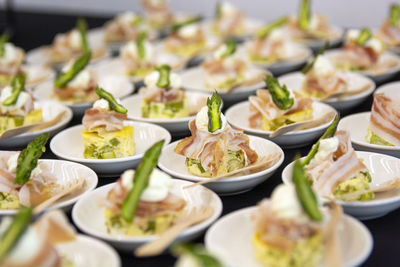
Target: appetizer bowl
x,y
391,90
383,169
295,82
230,239
68,145
88,215
357,125
174,164
317,44
378,75
117,85
64,172
50,109
194,80
196,101
89,252
238,116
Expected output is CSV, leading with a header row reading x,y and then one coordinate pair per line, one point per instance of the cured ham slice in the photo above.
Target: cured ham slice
x,y
109,120
161,95
262,105
389,34
328,84
385,119
337,167
211,148
85,94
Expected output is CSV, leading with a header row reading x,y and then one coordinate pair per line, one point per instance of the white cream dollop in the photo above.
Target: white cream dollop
x,y
189,31
10,53
15,109
286,205
131,49
81,80
326,147
375,44
158,187
277,35
323,66
314,22
202,121
127,17
101,104
228,9
220,51
352,34
151,80
12,164
187,261
75,39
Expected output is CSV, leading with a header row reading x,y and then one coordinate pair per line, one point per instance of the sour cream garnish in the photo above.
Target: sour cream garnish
x,y
326,147
151,80
202,121
228,9
81,80
75,39
187,261
127,17
189,31
375,44
131,49
220,51
323,66
10,53
286,205
15,109
101,104
12,164
158,187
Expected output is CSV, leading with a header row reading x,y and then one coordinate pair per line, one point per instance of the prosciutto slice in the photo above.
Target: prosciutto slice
x,y
385,119
389,34
337,167
109,120
161,95
211,148
325,84
262,105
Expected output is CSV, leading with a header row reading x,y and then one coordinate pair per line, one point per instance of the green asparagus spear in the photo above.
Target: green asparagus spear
x,y
198,252
280,94
163,78
141,180
3,41
218,10
214,105
394,14
230,49
310,65
305,193
140,45
28,158
64,78
114,105
364,36
82,27
175,27
304,14
328,133
14,231
18,85
136,20
265,31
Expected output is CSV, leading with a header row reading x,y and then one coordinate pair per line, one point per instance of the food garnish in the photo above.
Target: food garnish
x,y
280,94
175,27
266,30
304,14
82,27
394,14
3,41
364,36
64,78
18,85
140,45
214,112
114,105
310,65
199,253
163,79
141,180
230,49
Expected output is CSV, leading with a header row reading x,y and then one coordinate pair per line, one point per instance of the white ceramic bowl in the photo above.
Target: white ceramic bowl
x,y
382,168
238,116
50,109
64,172
230,240
194,79
174,164
117,85
295,81
86,251
317,44
36,74
357,125
391,90
377,77
196,101
88,215
68,145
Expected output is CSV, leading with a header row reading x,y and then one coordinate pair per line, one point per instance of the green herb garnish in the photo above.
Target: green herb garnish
x,y
140,45
394,14
364,36
3,41
265,31
280,94
64,78
218,10
17,228
304,15
141,180
18,86
310,65
305,193
82,27
199,254
163,78
28,158
175,27
230,49
114,105
136,20
328,133
214,105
